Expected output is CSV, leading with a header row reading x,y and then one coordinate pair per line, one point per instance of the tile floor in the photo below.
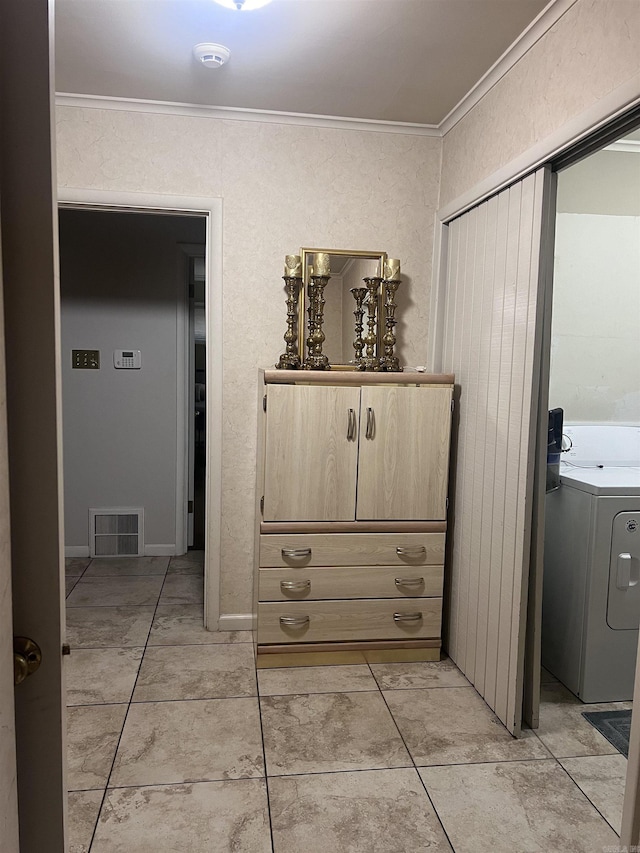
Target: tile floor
x,y
176,744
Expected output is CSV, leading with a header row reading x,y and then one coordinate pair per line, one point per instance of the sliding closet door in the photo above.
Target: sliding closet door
x,y
491,340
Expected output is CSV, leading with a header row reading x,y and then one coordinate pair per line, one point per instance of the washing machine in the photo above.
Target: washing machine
x,y
591,584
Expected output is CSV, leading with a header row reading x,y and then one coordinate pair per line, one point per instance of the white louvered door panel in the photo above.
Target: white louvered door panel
x,y
491,340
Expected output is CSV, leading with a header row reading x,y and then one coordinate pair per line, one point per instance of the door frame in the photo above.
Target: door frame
x,y
186,394
211,209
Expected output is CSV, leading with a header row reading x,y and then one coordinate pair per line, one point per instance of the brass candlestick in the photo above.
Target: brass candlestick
x,y
359,294
389,361
290,359
311,315
370,361
316,359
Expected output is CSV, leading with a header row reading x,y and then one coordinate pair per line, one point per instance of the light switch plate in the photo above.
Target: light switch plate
x,y
85,359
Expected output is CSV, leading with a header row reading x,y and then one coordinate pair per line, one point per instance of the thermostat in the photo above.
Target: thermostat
x,y
127,358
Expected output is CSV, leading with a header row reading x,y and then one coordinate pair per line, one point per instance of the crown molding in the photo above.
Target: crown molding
x,y
102,102
549,16
631,146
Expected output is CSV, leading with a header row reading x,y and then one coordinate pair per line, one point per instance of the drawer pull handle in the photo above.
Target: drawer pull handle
x,y
295,586
411,551
409,581
294,621
296,552
407,617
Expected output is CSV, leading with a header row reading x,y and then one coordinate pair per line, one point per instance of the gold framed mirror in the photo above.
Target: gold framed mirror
x,y
348,268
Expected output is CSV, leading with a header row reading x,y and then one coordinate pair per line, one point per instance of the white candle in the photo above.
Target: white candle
x,y
392,269
293,266
321,264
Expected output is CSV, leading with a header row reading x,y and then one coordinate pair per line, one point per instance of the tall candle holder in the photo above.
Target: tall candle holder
x,y
370,361
311,315
389,361
316,359
359,294
290,358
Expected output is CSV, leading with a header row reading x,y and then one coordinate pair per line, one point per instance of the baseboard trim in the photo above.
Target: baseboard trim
x,y
236,622
160,550
71,551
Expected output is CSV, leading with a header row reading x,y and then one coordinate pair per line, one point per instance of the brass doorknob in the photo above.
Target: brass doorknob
x,y
26,658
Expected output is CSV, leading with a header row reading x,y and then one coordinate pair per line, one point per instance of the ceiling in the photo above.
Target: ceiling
x,y
388,60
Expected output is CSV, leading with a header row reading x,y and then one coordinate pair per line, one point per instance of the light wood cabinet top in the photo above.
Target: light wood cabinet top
x,y
354,377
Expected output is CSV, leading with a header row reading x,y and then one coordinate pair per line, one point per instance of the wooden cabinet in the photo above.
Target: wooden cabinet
x,y
353,472
342,453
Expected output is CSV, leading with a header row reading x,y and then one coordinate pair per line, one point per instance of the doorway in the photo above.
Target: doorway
x,y
590,610
125,294
125,304
211,210
198,402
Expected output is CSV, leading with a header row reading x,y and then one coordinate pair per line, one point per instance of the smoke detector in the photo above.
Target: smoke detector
x,y
211,55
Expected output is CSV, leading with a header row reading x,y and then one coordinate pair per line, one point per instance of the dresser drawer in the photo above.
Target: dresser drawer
x,y
350,582
318,621
352,549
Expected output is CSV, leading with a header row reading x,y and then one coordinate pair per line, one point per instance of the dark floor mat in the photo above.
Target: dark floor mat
x,y
614,725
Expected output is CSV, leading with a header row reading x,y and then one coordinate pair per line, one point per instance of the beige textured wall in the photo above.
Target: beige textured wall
x,y
590,51
283,187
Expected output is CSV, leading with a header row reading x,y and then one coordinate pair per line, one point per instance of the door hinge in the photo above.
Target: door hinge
x,y
446,503
262,505
453,404
190,506
192,291
264,403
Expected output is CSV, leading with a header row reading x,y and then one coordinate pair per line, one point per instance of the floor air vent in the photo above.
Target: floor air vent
x,y
116,532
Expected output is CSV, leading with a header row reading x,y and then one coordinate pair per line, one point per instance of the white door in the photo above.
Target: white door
x,y
31,323
492,334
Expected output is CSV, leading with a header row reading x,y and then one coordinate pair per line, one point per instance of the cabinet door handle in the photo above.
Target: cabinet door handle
x,y
294,621
407,617
409,581
297,553
370,423
295,586
411,551
351,425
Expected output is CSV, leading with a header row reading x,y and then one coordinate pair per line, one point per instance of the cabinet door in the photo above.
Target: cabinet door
x,y
403,464
311,453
